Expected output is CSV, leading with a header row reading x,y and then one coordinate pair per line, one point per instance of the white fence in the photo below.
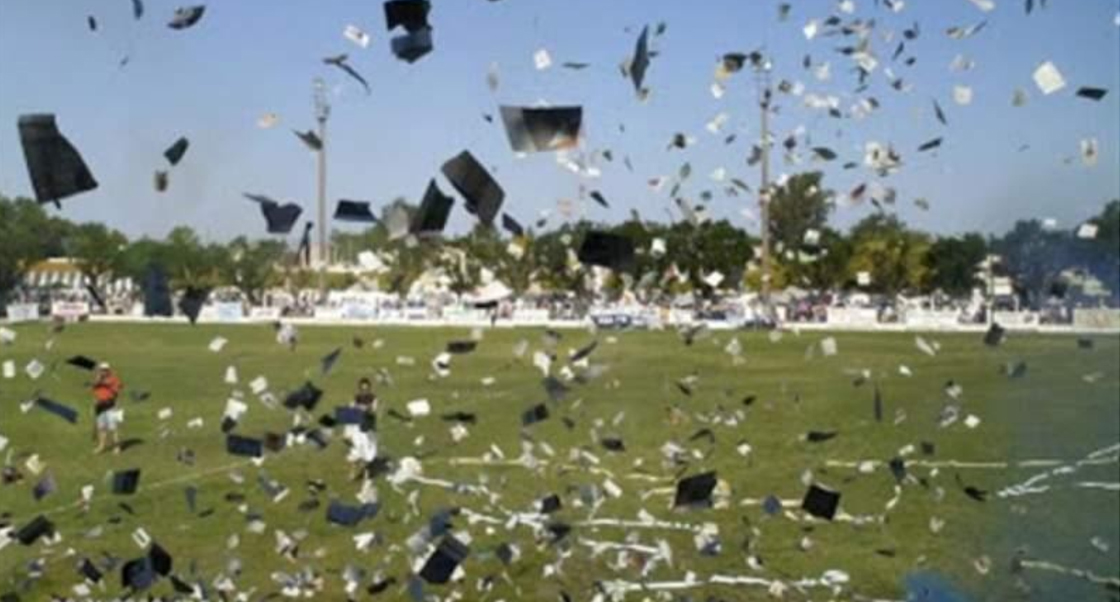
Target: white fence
x,y
1016,319
853,316
933,319
222,312
22,312
70,310
855,319
1108,319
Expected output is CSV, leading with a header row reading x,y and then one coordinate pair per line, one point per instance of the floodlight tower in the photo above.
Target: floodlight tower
x,y
322,113
762,68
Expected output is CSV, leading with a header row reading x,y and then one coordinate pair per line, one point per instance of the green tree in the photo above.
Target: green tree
x,y
892,254
1034,256
407,258
551,254
952,263
517,272
309,279
827,268
139,254
346,246
19,247
27,235
98,250
253,266
182,255
484,247
709,247
799,206
1108,233
641,235
461,272
190,262
407,265
779,276
1103,252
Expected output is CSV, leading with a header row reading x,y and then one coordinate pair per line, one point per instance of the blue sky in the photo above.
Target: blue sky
x,y
246,58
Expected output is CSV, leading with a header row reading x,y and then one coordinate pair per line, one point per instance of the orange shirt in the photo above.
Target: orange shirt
x,y
106,389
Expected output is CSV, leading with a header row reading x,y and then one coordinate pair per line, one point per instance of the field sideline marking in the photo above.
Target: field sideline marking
x,y
156,485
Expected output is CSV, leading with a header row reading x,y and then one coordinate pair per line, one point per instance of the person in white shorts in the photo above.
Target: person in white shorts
x,y
105,391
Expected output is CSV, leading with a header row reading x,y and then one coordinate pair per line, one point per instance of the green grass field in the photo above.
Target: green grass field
x,y
1053,411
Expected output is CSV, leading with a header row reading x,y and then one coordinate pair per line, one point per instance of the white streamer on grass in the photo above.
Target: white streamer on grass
x,y
537,520
1098,485
469,461
786,502
841,516
831,580
1043,565
528,463
598,547
1034,484
876,464
445,484
1100,457
153,486
639,524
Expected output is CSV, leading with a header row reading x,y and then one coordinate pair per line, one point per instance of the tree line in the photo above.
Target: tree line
x,y
879,254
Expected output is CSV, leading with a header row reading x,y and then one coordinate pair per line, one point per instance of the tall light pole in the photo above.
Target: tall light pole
x,y
762,74
989,275
322,113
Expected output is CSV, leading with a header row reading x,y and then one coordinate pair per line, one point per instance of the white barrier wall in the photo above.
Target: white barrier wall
x,y
465,315
530,316
925,318
222,312
853,316
70,310
264,313
1097,318
329,313
859,319
359,311
22,312
1015,319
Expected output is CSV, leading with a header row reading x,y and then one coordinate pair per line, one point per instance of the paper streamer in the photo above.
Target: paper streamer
x,y
1043,565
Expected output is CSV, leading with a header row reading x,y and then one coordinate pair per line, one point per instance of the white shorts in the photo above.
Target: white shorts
x,y
108,421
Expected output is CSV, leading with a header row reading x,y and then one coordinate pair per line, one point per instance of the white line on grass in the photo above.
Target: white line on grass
x,y
157,485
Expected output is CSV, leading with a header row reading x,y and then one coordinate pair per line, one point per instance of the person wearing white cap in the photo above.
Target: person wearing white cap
x,y
105,391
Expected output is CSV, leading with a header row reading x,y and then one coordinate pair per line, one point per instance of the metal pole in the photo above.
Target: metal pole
x,y
322,113
764,189
324,251
989,319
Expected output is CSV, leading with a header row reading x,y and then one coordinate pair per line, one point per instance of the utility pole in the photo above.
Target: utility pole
x,y
764,96
322,113
989,269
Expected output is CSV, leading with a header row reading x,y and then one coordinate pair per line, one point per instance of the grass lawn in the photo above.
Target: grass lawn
x,y
1052,411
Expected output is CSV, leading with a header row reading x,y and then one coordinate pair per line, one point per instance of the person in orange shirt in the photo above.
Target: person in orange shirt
x,y
105,391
